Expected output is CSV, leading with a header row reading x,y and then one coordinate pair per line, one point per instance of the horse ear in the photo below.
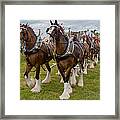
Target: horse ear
x,y
26,25
51,22
56,22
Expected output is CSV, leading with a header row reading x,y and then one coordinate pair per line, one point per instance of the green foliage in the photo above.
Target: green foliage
x,y
52,90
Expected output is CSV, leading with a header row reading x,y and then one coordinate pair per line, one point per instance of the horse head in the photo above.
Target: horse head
x,y
27,36
54,30
23,33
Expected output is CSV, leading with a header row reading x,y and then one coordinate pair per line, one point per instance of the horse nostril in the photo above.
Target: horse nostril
x,y
47,30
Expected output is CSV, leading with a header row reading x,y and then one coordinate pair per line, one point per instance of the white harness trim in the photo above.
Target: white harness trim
x,y
68,51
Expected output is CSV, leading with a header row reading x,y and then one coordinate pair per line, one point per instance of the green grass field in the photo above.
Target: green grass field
x,y
52,90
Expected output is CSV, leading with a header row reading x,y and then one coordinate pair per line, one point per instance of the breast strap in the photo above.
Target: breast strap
x,y
69,50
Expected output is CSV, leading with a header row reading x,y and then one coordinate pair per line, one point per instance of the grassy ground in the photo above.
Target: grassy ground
x,y
52,91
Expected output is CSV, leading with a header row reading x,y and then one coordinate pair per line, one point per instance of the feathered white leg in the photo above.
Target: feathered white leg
x,y
30,83
85,67
70,89
65,95
47,78
61,79
96,59
91,64
80,82
73,77
37,86
76,70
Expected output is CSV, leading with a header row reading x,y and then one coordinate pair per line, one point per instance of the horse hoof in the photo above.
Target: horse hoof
x,y
64,97
77,75
92,67
30,84
35,90
73,82
73,85
45,81
80,84
85,73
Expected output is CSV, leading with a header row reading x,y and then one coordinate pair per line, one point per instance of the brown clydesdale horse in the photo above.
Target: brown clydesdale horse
x,y
90,52
67,54
97,48
34,57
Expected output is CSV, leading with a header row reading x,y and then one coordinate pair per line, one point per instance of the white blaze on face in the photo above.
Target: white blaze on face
x,y
20,29
51,29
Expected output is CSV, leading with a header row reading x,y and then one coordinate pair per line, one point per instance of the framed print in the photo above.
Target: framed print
x,y
60,59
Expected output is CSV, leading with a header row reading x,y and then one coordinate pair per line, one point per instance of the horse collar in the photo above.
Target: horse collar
x,y
69,50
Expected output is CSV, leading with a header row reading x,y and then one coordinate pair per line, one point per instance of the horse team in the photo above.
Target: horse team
x,y
72,53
